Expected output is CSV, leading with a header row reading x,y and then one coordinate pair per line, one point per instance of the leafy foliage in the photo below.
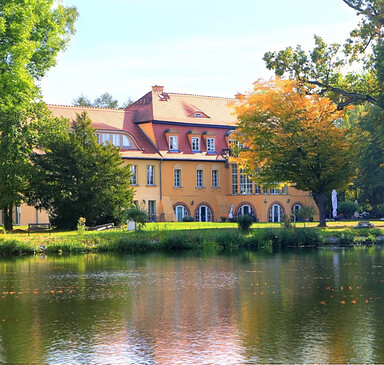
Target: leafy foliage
x,y
244,222
347,208
105,100
32,33
294,137
77,177
326,65
139,215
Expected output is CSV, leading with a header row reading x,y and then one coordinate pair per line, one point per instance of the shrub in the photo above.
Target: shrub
x,y
138,215
244,222
188,218
347,208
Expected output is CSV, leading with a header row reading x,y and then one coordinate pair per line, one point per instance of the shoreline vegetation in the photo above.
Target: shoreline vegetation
x,y
174,237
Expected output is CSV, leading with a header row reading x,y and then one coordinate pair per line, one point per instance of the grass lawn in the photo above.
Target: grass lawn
x,y
21,234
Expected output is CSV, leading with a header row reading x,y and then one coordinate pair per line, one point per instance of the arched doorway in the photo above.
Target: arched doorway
x,y
276,213
180,212
203,214
295,210
246,209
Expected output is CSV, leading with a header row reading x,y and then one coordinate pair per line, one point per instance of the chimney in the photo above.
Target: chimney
x,y
157,89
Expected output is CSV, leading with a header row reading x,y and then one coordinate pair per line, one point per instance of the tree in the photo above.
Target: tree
x,y
324,67
82,100
77,177
369,182
293,137
31,35
105,100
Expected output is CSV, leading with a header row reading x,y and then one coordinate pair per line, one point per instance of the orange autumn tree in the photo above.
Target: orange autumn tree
x,y
292,136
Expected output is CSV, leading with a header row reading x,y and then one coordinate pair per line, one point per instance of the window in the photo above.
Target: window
x,y
116,140
274,191
246,210
126,143
105,138
199,178
177,178
150,175
276,213
180,212
173,145
133,175
195,144
210,145
284,189
152,211
151,206
245,183
215,178
295,212
234,179
203,214
257,189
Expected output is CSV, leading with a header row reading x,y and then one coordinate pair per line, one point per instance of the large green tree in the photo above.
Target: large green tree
x,y
76,177
32,32
326,66
296,138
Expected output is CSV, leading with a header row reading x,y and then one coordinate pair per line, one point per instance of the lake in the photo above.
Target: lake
x,y
300,306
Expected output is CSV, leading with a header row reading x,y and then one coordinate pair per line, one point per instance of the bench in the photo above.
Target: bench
x,y
39,227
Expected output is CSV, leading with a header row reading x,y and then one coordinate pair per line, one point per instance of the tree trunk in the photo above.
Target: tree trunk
x,y
319,199
8,218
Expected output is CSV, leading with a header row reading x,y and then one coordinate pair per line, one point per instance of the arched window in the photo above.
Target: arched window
x,y
180,212
246,209
295,209
276,213
203,214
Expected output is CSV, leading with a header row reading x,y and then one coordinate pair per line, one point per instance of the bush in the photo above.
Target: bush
x,y
347,208
138,215
244,222
188,218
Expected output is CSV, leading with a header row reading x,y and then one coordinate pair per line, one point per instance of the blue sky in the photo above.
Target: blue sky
x,y
202,47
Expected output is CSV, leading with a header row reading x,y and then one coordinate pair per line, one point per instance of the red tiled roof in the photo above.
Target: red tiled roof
x,y
180,108
109,119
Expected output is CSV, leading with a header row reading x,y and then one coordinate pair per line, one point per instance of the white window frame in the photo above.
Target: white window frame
x,y
133,174
215,178
245,184
180,212
199,178
150,175
257,188
105,137
116,141
210,144
195,141
207,214
234,180
177,178
173,143
126,142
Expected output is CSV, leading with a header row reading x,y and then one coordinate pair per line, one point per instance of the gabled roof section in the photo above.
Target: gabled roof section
x,y
110,120
183,108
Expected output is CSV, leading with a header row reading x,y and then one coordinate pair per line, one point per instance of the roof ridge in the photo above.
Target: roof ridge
x,y
204,96
85,107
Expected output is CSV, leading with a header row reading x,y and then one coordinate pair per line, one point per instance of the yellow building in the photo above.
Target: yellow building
x,y
178,148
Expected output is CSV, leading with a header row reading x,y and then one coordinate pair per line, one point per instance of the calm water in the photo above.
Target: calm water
x,y
302,306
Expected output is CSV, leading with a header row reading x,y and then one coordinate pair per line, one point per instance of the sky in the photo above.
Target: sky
x,y
204,47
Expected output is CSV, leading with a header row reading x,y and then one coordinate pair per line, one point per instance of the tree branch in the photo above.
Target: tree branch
x,y
351,96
